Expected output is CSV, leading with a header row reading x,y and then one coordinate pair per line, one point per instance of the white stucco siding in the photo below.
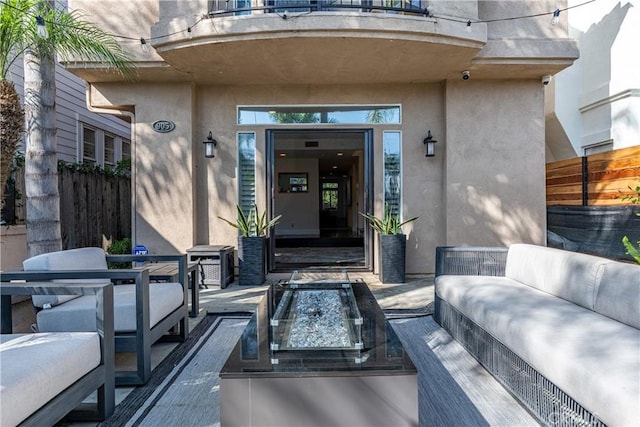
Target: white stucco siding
x,y
163,169
597,99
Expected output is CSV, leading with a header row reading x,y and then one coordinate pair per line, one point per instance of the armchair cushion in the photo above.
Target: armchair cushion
x,y
80,313
72,259
27,381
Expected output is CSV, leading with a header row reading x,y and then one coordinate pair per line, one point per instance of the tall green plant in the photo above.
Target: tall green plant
x,y
21,36
389,224
252,224
633,251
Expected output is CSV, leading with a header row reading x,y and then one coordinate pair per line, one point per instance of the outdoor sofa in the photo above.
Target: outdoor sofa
x,y
559,329
144,313
46,376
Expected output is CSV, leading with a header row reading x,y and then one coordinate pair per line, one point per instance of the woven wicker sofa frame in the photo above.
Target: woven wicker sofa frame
x,y
101,379
173,327
541,397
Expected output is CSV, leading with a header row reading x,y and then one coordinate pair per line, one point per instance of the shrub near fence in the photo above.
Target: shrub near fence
x,y
95,205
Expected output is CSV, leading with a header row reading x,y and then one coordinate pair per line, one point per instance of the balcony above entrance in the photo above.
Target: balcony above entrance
x,y
349,42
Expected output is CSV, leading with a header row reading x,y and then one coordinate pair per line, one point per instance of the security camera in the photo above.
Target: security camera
x,y
546,80
466,75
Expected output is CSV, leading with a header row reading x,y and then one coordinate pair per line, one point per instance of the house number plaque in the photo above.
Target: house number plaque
x,y
163,126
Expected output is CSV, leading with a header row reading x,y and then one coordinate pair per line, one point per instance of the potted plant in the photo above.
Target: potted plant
x,y
632,251
392,245
251,249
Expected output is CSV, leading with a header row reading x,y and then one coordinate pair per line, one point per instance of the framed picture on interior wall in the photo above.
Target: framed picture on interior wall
x,y
291,182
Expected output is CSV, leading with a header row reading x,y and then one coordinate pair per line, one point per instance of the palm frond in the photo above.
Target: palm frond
x,y
74,37
12,35
252,224
388,224
69,35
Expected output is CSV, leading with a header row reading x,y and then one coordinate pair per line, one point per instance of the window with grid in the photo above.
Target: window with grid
x,y
247,170
109,150
126,149
330,195
392,172
88,144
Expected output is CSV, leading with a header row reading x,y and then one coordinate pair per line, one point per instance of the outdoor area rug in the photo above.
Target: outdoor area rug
x,y
453,389
183,389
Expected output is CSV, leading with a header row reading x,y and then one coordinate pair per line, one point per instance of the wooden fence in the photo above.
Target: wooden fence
x,y
95,208
595,180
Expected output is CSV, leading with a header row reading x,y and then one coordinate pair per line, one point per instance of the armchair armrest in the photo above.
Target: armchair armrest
x,y
41,283
102,377
180,259
475,261
34,286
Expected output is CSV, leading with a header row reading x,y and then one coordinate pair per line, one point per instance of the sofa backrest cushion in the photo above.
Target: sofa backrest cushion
x,y
72,259
618,295
569,275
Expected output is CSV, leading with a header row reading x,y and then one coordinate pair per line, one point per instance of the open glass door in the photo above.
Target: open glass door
x,y
318,181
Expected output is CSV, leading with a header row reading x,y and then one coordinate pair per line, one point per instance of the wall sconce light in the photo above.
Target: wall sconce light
x,y
430,145
210,146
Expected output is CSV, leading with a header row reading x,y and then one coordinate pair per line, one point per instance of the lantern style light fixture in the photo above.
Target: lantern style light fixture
x,y
430,145
210,146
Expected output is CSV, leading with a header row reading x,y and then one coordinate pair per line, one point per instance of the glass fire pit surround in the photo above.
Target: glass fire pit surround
x,y
319,352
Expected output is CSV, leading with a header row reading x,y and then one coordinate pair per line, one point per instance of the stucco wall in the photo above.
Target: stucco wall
x,y
162,166
597,99
485,186
495,173
13,247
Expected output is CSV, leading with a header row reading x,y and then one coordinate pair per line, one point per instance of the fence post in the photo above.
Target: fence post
x,y
585,181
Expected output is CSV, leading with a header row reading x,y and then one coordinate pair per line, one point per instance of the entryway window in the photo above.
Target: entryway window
x,y
392,171
246,170
314,114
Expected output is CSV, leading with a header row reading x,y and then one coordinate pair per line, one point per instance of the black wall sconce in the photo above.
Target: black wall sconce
x,y
210,146
430,145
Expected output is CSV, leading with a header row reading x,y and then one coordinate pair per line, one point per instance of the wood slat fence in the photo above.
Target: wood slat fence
x,y
595,180
95,208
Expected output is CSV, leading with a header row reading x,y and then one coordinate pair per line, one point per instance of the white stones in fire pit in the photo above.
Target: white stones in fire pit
x,y
318,320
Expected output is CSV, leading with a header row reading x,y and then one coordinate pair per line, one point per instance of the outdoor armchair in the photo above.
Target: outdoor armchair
x,y
46,376
143,312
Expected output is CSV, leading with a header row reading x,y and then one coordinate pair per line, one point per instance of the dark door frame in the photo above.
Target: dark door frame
x,y
367,133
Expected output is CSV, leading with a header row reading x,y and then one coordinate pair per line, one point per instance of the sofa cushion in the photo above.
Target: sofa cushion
x,y
80,313
37,367
569,275
72,259
618,295
592,358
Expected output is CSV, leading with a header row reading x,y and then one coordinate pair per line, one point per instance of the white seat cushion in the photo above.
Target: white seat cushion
x,y
37,367
72,259
619,293
80,313
569,275
592,358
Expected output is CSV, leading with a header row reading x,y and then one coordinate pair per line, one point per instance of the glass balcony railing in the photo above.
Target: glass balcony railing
x,y
248,7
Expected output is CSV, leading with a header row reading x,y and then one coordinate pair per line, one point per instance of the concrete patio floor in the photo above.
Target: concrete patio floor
x,y
416,293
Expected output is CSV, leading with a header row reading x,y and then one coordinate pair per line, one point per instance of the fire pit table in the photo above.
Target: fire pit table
x,y
319,352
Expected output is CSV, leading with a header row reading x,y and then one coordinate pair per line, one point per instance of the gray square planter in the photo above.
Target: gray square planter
x,y
392,257
251,254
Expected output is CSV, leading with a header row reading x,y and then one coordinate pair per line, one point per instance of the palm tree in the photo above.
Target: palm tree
x,y
38,31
